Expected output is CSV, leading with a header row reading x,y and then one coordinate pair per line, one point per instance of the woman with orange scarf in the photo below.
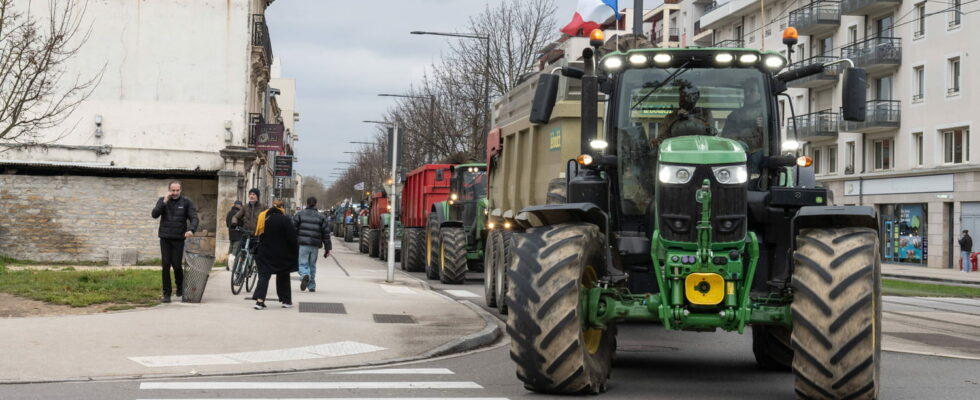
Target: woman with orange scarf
x,y
277,253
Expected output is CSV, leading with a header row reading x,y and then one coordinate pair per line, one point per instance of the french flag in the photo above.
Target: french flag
x,y
589,15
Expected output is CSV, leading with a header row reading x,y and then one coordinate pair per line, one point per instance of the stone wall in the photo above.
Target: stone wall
x,y
85,218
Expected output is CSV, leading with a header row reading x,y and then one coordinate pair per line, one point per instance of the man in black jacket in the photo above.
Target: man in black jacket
x,y
966,248
176,211
234,235
313,231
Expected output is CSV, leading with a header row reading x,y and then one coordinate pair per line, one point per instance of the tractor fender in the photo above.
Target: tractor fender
x,y
552,214
834,217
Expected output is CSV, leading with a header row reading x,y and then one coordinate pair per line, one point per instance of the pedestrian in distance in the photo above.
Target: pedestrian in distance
x,y
234,235
314,232
247,215
178,221
277,253
966,248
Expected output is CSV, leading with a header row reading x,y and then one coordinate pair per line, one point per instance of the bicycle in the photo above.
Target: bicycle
x,y
244,272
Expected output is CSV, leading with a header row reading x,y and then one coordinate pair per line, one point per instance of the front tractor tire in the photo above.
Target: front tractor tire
x,y
836,308
490,271
771,346
553,350
362,240
504,250
349,233
452,255
373,242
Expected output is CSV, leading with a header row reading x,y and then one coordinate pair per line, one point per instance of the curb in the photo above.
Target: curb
x,y
929,279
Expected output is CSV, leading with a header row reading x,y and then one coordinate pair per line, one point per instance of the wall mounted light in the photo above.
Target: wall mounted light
x,y
228,136
98,126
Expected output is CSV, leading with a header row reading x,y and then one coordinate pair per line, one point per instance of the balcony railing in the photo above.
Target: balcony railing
x,y
826,78
817,126
816,18
713,6
881,115
875,53
733,44
867,7
254,120
675,35
260,36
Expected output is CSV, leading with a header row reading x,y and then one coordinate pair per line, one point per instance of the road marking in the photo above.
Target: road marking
x,y
355,398
305,385
397,289
400,371
291,354
461,293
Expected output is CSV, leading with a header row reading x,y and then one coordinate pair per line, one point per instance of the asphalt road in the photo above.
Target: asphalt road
x,y
651,364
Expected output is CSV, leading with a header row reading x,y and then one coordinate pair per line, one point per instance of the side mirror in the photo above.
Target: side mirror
x,y
544,99
854,101
572,72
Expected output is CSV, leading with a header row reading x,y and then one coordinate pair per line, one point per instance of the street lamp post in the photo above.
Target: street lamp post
x,y
486,72
432,109
394,194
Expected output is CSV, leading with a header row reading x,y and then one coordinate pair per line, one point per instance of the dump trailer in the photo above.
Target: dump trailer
x,y
460,223
423,187
690,210
350,216
371,233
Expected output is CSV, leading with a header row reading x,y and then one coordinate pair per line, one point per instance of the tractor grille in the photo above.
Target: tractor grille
x,y
680,212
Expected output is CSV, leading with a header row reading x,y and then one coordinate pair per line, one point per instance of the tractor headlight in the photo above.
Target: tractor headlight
x,y
731,174
453,197
675,174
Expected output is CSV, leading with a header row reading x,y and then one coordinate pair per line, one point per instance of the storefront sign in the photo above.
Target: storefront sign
x,y
284,166
269,137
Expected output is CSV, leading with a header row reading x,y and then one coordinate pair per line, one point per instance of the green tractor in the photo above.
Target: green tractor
x,y
461,222
691,211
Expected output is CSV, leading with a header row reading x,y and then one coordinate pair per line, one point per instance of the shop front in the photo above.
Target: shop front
x,y
903,233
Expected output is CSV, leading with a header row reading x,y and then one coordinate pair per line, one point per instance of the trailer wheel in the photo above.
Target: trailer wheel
x,y
452,255
489,271
837,314
372,242
505,247
553,350
432,247
363,239
771,346
349,233
414,250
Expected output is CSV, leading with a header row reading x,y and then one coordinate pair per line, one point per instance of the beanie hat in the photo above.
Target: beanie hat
x,y
256,191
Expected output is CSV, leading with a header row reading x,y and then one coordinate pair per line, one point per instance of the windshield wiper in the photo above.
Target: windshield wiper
x,y
657,85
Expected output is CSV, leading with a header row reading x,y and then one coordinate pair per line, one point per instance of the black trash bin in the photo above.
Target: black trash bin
x,y
197,267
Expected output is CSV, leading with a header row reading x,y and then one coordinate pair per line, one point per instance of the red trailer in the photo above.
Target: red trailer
x,y
371,233
425,186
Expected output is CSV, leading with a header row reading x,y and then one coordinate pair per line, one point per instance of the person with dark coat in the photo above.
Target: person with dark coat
x,y
277,253
174,211
314,232
966,248
234,235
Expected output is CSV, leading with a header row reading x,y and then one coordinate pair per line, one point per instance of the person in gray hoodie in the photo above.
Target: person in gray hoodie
x,y
313,232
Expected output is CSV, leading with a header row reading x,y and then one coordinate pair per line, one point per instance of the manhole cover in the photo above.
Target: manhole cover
x,y
644,348
328,308
393,319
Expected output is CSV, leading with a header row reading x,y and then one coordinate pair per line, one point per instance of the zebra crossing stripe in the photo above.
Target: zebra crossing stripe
x,y
291,354
304,385
462,293
399,371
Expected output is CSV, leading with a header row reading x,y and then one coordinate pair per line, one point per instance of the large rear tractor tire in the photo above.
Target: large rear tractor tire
x,y
432,247
557,191
489,272
362,240
505,251
554,352
414,250
771,346
837,314
349,233
452,255
373,237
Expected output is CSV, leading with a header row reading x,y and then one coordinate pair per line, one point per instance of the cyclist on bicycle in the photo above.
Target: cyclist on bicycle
x,y
248,215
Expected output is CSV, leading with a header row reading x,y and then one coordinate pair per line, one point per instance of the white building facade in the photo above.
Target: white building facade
x,y
911,159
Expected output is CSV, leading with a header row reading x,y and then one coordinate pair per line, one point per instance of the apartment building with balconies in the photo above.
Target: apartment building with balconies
x,y
911,157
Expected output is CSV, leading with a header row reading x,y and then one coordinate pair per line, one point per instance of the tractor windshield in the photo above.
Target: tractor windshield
x,y
474,185
655,104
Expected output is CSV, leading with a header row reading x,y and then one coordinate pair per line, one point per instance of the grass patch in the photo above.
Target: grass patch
x,y
153,262
123,288
894,287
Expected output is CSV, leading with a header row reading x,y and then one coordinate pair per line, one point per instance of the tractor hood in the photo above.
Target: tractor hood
x,y
701,150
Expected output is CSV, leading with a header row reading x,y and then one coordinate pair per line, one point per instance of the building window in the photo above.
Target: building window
x,y
919,83
955,13
920,20
849,159
817,158
956,146
852,34
832,159
883,154
953,86
917,144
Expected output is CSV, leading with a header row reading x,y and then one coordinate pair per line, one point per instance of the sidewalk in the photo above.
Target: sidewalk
x,y
224,335
937,275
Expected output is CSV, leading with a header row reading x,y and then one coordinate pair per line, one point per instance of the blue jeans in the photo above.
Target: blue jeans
x,y
307,263
966,261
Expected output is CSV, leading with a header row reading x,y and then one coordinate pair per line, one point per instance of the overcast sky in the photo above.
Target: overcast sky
x,y
343,53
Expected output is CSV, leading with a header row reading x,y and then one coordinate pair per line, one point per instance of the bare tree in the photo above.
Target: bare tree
x,y
36,91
